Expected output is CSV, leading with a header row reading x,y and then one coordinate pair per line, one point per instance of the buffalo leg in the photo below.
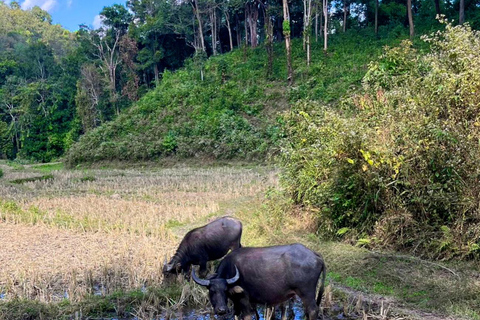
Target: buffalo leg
x,y
269,313
311,309
283,309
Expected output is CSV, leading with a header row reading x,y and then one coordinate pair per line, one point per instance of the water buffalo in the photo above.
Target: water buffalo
x,y
204,244
269,275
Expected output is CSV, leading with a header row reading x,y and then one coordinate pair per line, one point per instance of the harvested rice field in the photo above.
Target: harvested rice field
x,y
91,244
99,231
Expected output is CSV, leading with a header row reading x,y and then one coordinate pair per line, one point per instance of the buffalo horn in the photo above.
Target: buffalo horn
x,y
235,278
201,282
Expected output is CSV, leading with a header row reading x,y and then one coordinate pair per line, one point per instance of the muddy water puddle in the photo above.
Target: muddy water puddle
x,y
336,312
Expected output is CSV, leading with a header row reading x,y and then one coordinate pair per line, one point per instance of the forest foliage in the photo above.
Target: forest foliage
x,y
56,85
396,166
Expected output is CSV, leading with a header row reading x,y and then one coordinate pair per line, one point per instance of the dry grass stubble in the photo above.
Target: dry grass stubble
x,y
99,231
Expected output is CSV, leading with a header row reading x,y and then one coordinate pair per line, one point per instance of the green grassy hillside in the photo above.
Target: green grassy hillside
x,y
234,112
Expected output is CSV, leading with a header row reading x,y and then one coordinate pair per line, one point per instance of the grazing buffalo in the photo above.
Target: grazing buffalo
x,y
270,276
204,244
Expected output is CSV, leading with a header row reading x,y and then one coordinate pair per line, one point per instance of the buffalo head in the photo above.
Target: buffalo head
x,y
217,290
171,269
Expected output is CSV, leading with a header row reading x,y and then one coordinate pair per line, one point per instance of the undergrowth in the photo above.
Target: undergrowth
x,y
396,166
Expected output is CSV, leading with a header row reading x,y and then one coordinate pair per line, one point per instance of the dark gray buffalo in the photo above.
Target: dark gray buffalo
x,y
204,244
266,276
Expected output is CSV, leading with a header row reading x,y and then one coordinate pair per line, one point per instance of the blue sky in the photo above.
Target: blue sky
x,y
71,13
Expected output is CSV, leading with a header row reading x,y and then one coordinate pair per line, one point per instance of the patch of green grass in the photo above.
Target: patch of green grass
x,y
87,179
28,309
32,179
172,223
355,283
48,167
381,288
14,165
334,276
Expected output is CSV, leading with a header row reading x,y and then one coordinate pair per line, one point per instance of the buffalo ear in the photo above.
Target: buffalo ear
x,y
236,289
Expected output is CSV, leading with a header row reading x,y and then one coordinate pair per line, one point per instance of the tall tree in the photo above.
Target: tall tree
x,y
376,16
251,16
461,12
307,29
128,52
410,18
117,17
345,14
286,34
212,9
88,98
325,26
196,12
227,23
108,54
268,15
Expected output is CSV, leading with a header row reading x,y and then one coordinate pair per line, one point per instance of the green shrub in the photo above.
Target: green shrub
x,y
397,166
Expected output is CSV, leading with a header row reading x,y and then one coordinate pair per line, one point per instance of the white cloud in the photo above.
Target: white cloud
x,y
46,5
97,21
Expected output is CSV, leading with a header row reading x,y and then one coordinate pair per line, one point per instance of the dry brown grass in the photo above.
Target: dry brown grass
x,y
98,231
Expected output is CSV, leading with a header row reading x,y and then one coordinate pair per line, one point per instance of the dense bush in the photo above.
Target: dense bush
x,y
397,166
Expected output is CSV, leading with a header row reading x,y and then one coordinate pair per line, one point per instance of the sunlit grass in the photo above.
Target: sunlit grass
x,y
99,231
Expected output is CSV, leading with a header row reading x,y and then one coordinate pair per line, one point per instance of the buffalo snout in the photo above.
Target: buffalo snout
x,y
221,311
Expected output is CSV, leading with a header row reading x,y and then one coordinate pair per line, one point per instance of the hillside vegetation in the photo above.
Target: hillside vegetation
x,y
235,112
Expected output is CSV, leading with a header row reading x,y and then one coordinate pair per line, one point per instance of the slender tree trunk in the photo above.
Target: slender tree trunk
x,y
304,24
246,23
410,18
344,15
461,12
307,5
286,33
376,16
196,11
269,44
155,71
229,28
437,7
253,18
239,32
325,26
321,20
316,21
213,22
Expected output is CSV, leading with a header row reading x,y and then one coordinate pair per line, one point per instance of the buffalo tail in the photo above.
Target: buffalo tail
x,y
322,286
